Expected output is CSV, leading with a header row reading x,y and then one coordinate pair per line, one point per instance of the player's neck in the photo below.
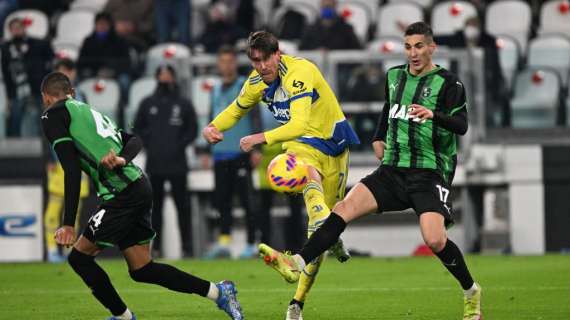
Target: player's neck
x,y
429,67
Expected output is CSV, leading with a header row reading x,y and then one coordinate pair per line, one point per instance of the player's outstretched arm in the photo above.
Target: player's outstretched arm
x,y
212,134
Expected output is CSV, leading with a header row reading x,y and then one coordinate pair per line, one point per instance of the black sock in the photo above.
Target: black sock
x,y
171,278
97,280
452,259
301,304
326,236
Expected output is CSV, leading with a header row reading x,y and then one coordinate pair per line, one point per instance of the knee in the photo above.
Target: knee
x,y
78,259
435,242
344,208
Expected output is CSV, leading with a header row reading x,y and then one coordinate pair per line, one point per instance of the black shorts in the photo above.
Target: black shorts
x,y
397,189
124,220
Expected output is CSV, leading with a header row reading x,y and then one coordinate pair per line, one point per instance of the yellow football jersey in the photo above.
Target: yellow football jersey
x,y
302,101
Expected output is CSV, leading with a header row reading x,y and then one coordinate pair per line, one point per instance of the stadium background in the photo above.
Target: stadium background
x,y
513,179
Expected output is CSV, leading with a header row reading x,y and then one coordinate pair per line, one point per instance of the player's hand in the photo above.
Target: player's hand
x,y
212,134
248,142
378,147
255,158
112,161
65,236
420,112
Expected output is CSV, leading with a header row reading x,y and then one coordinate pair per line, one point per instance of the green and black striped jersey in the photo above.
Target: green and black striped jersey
x,y
93,135
414,144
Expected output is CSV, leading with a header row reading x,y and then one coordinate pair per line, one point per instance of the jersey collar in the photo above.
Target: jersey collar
x,y
432,71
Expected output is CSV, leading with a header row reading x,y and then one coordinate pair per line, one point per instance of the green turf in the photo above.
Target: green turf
x,y
404,288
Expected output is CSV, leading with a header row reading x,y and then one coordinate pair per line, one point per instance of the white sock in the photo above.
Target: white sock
x,y
127,315
213,292
300,261
471,291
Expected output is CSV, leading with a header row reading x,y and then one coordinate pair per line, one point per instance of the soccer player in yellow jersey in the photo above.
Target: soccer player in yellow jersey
x,y
313,127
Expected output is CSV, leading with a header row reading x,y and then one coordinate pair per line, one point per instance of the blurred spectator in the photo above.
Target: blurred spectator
x,y
6,7
133,20
67,67
173,20
474,36
294,228
232,167
366,84
245,15
330,31
220,29
55,182
105,54
25,61
50,7
167,124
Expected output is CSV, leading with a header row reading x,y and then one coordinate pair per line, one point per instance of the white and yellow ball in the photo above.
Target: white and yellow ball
x,y
287,173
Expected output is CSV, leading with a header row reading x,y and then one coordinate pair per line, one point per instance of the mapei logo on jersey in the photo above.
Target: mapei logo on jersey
x,y
17,225
298,84
403,112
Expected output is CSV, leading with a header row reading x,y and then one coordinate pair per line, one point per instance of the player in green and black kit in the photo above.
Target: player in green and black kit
x,y
416,140
84,139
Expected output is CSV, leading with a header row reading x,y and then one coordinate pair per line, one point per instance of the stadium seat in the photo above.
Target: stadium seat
x,y
263,9
288,47
510,17
65,50
536,98
555,17
3,111
90,5
509,57
35,22
74,26
425,4
314,4
201,96
304,8
103,94
371,7
388,46
358,16
550,51
175,54
140,89
450,16
394,13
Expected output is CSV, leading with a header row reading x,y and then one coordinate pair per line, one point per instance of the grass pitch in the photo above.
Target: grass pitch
x,y
403,288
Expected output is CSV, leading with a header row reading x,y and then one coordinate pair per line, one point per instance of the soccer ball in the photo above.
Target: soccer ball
x,y
287,173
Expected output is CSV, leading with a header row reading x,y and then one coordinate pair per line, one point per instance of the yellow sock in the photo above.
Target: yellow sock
x,y
224,240
318,211
307,279
316,206
51,220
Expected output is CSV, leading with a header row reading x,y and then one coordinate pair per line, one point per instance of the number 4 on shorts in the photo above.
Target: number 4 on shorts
x,y
97,218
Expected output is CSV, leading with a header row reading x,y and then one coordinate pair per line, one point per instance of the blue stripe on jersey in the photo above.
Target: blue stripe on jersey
x,y
342,137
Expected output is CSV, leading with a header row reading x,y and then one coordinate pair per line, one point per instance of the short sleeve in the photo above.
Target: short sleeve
x,y
55,124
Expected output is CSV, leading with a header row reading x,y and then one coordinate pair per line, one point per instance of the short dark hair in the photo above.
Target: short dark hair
x,y
56,84
165,66
104,16
227,49
420,28
263,41
64,63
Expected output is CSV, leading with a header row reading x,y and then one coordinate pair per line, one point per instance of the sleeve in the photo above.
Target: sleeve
x,y
132,145
55,127
300,86
141,123
190,124
249,96
453,116
8,81
382,126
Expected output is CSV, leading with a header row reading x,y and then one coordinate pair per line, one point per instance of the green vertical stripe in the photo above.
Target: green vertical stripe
x,y
412,125
394,123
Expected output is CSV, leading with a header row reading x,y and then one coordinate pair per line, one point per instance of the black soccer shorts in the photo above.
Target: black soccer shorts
x,y
125,220
397,189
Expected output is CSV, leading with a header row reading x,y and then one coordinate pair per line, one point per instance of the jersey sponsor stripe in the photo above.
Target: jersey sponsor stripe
x,y
412,125
394,122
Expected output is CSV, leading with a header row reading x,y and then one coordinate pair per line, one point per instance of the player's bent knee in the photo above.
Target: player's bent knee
x,y
436,243
77,258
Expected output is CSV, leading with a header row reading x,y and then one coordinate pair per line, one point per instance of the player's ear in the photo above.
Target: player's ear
x,y
72,93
